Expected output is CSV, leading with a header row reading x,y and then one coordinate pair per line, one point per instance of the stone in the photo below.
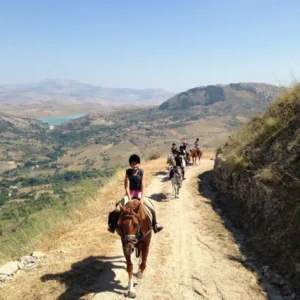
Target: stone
x,y
37,254
9,268
3,277
28,259
297,266
61,251
21,265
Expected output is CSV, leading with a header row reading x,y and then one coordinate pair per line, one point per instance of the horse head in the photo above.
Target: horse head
x,y
171,159
129,225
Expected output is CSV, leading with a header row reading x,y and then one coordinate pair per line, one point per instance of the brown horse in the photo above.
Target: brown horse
x,y
134,228
195,153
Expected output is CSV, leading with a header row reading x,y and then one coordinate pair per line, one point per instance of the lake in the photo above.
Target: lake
x,y
59,120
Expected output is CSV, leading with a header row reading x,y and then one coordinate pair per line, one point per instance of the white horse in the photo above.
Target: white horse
x,y
171,161
176,181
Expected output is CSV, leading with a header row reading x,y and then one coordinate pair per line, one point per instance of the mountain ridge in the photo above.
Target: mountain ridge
x,y
72,91
232,94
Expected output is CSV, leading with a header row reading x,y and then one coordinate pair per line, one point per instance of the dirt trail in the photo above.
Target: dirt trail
x,y
194,257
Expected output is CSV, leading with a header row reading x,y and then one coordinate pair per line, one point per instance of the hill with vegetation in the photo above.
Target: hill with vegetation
x,y
238,98
14,126
258,173
65,91
33,183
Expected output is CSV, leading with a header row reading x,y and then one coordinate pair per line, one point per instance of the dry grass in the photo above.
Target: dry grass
x,y
154,155
269,175
263,127
84,237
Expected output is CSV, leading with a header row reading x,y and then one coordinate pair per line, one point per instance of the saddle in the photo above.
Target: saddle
x,y
125,201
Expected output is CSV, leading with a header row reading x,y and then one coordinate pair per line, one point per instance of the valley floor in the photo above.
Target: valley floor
x,y
194,257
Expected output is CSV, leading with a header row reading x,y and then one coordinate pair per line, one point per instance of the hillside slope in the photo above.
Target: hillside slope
x,y
258,172
14,125
234,98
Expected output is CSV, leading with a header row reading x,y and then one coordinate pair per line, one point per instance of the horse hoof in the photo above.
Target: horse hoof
x,y
139,275
131,294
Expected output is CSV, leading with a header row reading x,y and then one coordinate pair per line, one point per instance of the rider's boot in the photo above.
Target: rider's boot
x,y
113,222
156,227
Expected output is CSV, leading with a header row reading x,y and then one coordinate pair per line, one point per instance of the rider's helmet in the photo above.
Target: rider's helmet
x,y
173,144
134,158
197,139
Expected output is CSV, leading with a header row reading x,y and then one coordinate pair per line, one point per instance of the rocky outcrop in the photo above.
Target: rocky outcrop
x,y
25,262
258,175
263,211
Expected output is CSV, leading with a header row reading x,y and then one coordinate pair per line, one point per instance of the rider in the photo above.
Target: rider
x,y
182,153
184,146
135,188
197,145
178,161
174,149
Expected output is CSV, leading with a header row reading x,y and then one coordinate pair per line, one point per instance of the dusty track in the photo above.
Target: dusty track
x,y
194,257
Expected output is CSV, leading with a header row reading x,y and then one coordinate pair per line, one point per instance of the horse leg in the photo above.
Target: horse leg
x,y
142,267
131,289
173,188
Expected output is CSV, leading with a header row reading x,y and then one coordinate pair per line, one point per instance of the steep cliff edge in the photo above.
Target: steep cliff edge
x,y
258,174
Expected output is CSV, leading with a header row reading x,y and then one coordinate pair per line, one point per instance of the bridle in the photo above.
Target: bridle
x,y
135,239
131,238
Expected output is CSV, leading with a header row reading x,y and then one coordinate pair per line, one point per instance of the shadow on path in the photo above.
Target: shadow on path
x,y
161,173
165,174
94,274
160,197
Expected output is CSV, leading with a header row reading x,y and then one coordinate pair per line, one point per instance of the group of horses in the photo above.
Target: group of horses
x,y
135,226
190,158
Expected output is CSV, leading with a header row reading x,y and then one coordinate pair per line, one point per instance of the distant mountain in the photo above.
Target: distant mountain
x,y
233,98
70,91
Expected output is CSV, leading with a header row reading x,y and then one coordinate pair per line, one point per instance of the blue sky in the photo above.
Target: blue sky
x,y
174,45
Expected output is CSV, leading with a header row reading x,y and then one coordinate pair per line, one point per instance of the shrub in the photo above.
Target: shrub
x,y
154,155
237,163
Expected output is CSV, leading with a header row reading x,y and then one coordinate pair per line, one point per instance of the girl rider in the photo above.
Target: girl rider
x,y
197,145
134,188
